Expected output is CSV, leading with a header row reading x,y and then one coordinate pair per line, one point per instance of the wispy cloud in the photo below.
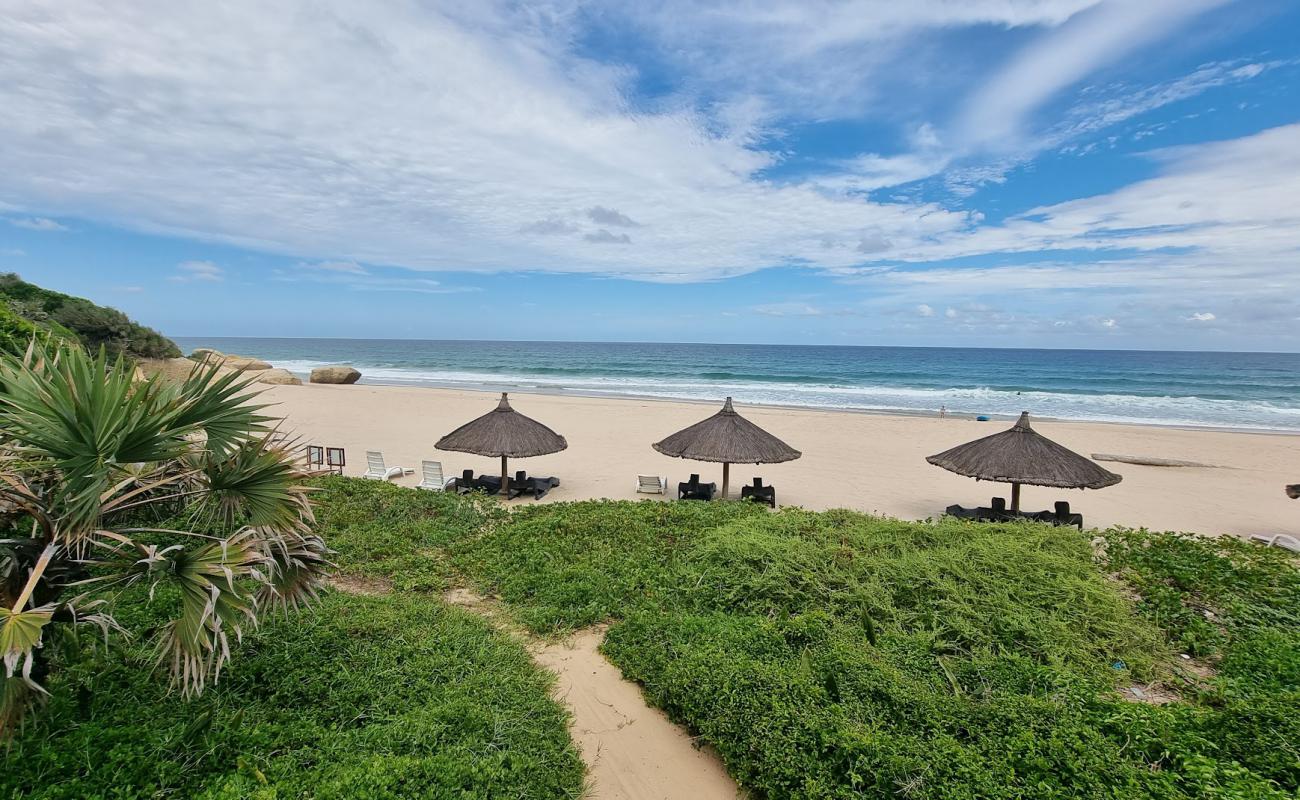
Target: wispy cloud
x,y
994,117
352,277
603,236
37,224
608,216
348,267
204,271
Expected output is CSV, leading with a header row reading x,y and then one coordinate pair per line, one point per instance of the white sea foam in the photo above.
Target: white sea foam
x,y
1157,410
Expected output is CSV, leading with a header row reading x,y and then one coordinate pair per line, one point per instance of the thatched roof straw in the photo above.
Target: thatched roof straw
x,y
729,438
503,432
1022,455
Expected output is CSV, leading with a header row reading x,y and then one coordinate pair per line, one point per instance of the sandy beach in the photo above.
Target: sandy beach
x,y
867,462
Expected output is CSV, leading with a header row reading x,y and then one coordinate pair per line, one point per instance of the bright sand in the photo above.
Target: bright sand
x,y
868,462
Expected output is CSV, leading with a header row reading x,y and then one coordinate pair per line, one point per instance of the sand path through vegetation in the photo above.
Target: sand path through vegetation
x,y
632,751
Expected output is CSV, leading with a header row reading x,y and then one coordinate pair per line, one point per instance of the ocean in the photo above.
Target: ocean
x,y
1223,390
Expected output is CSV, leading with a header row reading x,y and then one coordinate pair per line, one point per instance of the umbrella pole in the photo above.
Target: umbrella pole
x,y
1015,497
505,480
726,474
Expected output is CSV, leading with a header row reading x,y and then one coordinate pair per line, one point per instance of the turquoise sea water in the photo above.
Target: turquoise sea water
x,y
1236,390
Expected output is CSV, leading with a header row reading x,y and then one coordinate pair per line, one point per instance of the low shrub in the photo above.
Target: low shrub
x,y
367,697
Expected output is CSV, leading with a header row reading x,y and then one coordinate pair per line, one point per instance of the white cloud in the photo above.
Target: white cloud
x,y
1202,316
788,310
826,58
349,267
464,132
358,279
608,216
37,224
187,271
994,116
471,138
603,236
925,310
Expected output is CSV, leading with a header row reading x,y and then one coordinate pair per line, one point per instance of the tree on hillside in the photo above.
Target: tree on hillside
x,y
93,325
106,482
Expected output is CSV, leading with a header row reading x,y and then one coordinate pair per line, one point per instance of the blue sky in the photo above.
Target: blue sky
x,y
1043,173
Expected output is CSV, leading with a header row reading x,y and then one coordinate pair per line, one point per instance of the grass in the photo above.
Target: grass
x,y
824,655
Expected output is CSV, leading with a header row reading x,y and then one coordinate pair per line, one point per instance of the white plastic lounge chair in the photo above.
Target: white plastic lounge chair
x,y
651,484
432,477
1278,540
376,471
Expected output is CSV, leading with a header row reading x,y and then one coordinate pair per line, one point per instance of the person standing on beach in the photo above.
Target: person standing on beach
x,y
943,412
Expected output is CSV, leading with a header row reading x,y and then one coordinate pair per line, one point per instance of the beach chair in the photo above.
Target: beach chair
x,y
377,471
759,493
465,483
961,512
1062,516
996,511
519,484
335,459
431,477
651,484
1277,540
540,486
694,490
315,458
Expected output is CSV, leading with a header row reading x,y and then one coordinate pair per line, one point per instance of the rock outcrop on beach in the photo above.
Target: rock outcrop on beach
x,y
338,374
245,363
205,355
178,369
279,377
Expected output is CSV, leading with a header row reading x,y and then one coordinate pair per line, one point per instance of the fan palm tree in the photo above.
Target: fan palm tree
x,y
107,482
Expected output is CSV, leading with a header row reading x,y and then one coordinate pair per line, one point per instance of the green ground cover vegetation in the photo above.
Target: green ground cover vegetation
x,y
385,696
824,655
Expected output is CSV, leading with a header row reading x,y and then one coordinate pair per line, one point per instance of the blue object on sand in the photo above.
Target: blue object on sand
x,y
981,418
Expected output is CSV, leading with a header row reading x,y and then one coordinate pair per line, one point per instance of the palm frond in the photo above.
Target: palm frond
x,y
20,635
196,645
257,482
221,406
297,566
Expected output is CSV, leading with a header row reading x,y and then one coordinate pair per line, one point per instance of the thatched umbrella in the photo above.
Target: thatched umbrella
x,y
730,438
506,433
1022,455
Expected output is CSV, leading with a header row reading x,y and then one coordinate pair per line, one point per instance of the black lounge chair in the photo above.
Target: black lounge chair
x,y
694,490
1062,516
759,493
995,512
542,485
961,512
519,484
467,483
